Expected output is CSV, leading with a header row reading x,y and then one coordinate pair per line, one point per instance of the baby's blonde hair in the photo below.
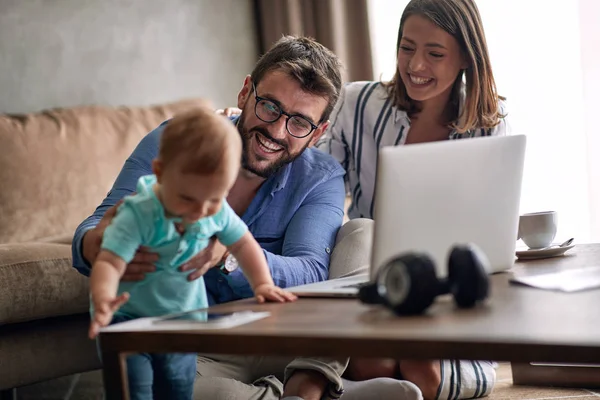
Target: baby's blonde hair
x,y
201,142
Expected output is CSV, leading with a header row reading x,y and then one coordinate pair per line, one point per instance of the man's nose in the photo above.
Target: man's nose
x,y
278,128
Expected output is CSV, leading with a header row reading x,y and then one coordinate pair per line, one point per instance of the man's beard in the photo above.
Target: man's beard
x,y
275,165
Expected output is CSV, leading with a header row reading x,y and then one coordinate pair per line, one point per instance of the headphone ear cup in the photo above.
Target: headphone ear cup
x,y
468,279
371,293
368,294
410,284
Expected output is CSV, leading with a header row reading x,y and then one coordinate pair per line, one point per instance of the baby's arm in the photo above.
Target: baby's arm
x,y
104,284
119,243
252,260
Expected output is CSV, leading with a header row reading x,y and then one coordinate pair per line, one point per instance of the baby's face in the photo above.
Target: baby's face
x,y
192,196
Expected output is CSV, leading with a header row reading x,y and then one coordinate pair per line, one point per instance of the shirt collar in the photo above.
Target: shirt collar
x,y
400,114
280,178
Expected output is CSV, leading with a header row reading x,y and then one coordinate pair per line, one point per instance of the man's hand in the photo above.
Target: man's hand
x,y
93,238
136,270
229,111
268,292
206,259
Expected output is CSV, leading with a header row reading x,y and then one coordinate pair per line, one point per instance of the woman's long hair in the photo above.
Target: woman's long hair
x,y
461,19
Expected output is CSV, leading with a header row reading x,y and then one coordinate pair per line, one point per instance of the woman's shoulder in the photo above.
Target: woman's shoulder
x,y
502,107
364,94
358,90
500,129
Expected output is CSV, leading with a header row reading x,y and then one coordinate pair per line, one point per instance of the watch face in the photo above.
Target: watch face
x,y
231,263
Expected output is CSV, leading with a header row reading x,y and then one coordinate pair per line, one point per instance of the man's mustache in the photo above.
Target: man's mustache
x,y
266,134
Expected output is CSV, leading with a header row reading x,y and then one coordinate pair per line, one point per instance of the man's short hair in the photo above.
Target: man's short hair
x,y
310,63
202,141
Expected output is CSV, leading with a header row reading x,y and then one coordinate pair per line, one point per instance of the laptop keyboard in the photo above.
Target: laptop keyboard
x,y
352,286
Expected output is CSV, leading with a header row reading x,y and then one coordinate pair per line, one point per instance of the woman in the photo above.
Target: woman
x,y
443,89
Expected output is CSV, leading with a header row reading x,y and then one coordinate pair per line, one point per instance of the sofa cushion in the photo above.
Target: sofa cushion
x,y
57,165
37,281
41,350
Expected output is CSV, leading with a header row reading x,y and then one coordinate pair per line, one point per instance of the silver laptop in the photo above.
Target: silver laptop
x,y
431,196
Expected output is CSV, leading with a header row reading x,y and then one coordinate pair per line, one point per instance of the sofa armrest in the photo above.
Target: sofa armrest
x,y
37,281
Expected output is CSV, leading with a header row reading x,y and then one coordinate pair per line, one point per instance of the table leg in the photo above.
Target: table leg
x,y
114,371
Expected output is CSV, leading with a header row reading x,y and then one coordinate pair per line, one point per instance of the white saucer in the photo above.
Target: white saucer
x,y
530,254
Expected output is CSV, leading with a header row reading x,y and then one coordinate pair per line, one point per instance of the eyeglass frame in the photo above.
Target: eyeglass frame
x,y
258,99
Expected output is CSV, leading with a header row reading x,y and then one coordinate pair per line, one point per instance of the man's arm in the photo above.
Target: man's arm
x,y
137,165
308,242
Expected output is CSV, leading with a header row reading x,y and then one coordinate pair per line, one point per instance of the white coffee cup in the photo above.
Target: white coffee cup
x,y
538,230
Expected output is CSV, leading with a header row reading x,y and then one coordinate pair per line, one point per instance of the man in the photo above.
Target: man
x,y
290,195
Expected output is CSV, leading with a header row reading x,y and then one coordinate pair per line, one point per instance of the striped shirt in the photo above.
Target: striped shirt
x,y
362,122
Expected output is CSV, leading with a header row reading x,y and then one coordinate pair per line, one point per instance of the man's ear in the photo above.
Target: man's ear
x,y
244,92
319,132
157,169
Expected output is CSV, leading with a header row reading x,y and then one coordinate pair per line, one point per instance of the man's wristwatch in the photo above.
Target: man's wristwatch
x,y
229,265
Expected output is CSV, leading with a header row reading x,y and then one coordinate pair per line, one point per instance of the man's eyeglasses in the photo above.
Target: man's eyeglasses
x,y
268,111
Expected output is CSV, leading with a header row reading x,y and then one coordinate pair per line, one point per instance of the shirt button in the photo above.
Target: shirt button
x,y
328,250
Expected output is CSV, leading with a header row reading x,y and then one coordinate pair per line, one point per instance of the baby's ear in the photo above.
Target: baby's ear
x,y
157,169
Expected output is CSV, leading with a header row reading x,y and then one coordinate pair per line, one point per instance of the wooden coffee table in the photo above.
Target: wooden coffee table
x,y
518,324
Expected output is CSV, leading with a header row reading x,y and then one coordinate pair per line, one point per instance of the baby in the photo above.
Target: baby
x,y
174,213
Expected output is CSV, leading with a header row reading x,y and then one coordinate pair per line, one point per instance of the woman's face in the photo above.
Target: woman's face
x,y
429,59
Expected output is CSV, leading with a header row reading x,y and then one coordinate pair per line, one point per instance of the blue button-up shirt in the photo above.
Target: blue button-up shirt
x,y
294,216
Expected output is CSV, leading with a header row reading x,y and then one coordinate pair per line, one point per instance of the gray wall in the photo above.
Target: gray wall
x,y
58,53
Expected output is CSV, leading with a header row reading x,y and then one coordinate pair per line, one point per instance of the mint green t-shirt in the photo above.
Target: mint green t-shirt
x,y
141,221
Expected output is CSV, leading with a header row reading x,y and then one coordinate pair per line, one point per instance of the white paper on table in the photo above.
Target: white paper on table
x,y
571,280
149,323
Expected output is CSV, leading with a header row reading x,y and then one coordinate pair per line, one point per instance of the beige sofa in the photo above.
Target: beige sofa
x,y
56,166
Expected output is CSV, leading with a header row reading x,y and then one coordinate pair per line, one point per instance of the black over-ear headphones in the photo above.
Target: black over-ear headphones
x,y
408,283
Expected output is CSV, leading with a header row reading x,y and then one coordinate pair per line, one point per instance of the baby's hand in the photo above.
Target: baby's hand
x,y
104,309
268,292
